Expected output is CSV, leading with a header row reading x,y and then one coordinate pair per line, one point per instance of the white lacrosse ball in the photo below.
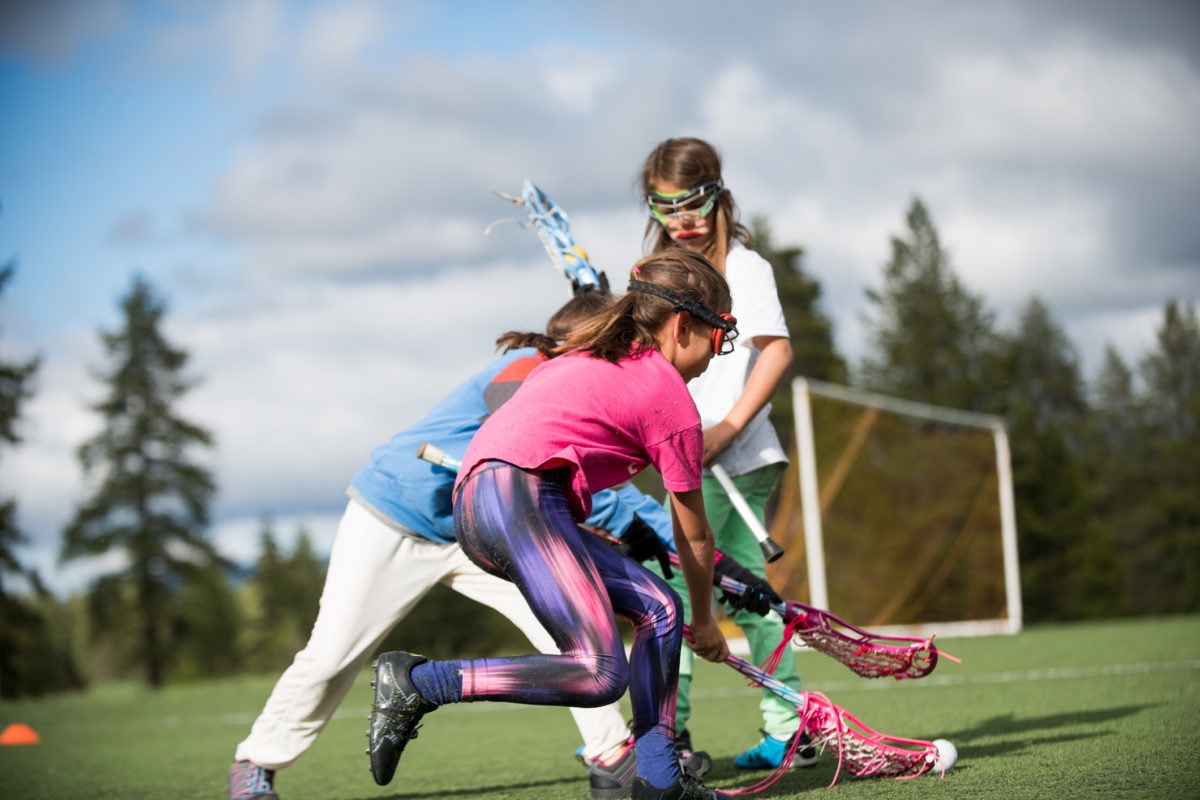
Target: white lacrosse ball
x,y
947,755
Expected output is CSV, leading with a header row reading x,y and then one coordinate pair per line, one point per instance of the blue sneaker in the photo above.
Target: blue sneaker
x,y
769,753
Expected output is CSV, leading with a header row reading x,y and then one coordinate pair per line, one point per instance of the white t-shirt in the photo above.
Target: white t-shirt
x,y
759,313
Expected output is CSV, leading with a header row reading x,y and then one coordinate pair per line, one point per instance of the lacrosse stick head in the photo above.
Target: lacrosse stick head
x,y
870,655
864,751
554,229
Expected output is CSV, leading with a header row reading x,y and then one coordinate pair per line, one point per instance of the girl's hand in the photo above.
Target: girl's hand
x,y
717,438
708,642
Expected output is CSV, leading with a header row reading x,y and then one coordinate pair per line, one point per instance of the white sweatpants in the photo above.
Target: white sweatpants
x,y
375,577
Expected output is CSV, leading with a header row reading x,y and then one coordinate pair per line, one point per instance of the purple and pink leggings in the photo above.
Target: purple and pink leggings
x,y
517,524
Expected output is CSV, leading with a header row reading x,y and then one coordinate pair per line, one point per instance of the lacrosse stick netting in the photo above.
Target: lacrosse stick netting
x,y
871,655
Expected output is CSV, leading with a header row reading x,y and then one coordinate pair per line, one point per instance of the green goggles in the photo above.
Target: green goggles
x,y
698,201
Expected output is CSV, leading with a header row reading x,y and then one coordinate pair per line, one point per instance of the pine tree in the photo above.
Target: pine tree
x,y
1117,482
151,500
24,640
1068,567
16,379
931,340
1168,549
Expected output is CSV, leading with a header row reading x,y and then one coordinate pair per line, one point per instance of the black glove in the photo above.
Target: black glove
x,y
641,543
758,596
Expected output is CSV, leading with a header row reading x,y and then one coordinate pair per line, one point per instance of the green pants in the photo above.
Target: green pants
x,y
734,538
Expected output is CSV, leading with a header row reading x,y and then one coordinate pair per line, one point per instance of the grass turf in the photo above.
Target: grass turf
x,y
1098,710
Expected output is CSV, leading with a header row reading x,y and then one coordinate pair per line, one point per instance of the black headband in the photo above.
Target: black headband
x,y
681,303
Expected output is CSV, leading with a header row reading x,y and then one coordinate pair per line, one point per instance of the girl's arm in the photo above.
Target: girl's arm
x,y
774,358
695,545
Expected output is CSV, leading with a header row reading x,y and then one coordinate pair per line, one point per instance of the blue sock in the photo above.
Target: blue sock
x,y
656,760
438,681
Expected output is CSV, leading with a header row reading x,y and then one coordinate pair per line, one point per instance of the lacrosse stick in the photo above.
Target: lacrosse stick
x,y
770,548
554,229
866,752
871,655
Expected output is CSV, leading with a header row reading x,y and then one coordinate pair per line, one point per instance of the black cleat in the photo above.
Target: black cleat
x,y
396,713
685,788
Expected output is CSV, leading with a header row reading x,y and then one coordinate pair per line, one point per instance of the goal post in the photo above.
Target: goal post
x,y
897,515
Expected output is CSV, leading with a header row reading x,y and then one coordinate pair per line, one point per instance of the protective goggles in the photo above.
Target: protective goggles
x,y
698,201
724,326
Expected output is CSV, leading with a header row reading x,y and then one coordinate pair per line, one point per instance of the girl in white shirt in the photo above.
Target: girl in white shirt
x,y
691,208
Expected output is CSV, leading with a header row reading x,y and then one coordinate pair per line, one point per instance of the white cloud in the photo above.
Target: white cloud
x,y
334,38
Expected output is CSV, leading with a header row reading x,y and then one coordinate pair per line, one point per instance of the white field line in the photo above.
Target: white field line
x,y
859,684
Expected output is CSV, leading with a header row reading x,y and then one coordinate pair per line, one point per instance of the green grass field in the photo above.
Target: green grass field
x,y
1106,710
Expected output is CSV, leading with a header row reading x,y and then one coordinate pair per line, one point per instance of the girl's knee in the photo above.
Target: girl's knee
x,y
609,679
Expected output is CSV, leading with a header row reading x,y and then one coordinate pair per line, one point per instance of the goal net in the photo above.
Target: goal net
x,y
898,516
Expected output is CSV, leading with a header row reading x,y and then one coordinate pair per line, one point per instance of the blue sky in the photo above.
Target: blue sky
x,y
307,185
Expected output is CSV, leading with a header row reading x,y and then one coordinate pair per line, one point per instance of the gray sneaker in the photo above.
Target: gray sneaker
x,y
249,781
613,781
396,713
696,763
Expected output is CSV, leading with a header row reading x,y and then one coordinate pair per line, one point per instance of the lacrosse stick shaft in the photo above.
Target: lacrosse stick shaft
x,y
770,548
436,455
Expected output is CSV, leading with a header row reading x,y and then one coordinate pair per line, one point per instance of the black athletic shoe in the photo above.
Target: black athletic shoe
x,y
806,754
696,763
396,713
686,788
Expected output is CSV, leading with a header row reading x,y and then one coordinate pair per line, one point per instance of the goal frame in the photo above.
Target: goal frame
x,y
811,508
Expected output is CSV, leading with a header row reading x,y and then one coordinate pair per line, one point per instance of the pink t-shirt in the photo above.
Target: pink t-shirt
x,y
605,422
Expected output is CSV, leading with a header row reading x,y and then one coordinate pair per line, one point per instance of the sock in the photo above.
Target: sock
x,y
438,681
656,760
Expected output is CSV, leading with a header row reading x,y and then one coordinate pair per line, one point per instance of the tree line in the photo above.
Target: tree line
x,y
1105,471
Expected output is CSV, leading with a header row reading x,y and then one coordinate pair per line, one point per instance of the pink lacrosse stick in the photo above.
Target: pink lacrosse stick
x,y
864,751
871,655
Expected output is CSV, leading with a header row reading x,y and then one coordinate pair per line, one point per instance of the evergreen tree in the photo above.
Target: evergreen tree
x,y
30,662
151,499
1168,550
306,574
810,331
1068,567
209,624
931,340
287,590
1117,481
16,380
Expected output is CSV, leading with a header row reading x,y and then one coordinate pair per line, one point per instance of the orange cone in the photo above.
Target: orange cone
x,y
19,733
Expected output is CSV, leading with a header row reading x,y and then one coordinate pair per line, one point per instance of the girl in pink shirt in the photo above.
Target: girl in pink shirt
x,y
614,403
